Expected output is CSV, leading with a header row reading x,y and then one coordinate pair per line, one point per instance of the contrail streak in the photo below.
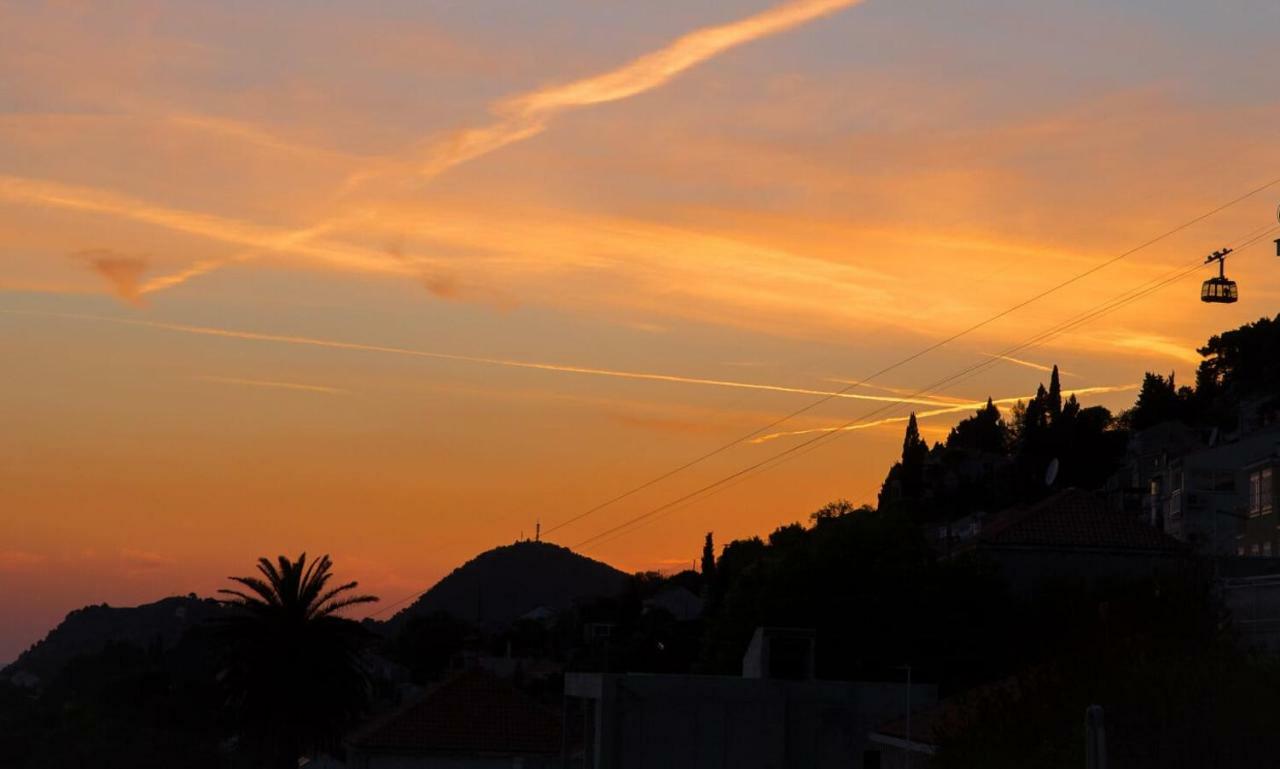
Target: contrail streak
x,y
205,266
193,270
1027,363
273,384
936,412
527,115
405,351
900,390
40,192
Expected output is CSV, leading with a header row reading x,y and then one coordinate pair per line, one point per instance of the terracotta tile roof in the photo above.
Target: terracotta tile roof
x,y
931,722
1073,518
472,712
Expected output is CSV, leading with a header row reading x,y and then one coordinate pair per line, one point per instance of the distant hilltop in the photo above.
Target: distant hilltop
x,y
89,630
501,585
491,590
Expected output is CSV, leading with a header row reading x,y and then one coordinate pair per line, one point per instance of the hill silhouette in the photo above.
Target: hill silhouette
x,y
501,585
492,590
93,628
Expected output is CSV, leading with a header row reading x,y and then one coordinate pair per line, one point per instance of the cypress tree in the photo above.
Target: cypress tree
x,y
1055,395
708,558
914,448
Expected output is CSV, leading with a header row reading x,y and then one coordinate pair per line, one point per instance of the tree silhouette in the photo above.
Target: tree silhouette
x,y
984,431
836,509
1055,395
708,558
914,449
293,667
1158,401
1244,361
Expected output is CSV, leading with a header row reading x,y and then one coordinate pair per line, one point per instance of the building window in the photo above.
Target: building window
x,y
1240,550
1261,495
1266,549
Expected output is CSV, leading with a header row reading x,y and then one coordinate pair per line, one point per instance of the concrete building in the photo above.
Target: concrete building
x,y
1146,467
1213,490
472,720
1221,498
679,602
1070,537
910,742
774,717
1260,526
1254,605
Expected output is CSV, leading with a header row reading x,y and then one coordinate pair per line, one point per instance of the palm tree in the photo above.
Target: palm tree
x,y
293,667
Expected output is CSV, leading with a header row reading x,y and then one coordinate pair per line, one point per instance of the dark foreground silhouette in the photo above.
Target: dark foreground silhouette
x,y
1031,565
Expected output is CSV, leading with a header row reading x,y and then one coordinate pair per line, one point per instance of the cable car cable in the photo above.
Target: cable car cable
x,y
791,453
926,350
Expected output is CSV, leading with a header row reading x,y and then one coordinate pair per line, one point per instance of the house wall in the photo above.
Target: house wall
x,y
1260,526
691,722
1254,604
895,753
358,760
1028,568
1203,496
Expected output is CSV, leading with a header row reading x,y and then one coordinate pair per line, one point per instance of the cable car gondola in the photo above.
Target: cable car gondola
x,y
1219,290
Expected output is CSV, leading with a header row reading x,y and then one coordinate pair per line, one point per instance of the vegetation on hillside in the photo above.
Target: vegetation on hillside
x,y
276,672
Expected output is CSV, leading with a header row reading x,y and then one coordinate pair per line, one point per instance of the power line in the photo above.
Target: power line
x,y
926,350
813,443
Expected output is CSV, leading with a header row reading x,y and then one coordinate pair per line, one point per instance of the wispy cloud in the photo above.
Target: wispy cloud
x,y
145,560
254,135
122,271
21,561
274,384
935,413
668,425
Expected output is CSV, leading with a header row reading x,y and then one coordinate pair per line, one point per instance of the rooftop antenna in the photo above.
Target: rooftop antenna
x,y
1278,239
537,531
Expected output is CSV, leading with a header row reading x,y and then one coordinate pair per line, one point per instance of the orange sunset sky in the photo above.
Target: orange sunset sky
x,y
395,280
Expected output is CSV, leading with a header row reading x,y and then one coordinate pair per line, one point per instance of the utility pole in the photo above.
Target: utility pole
x,y
908,714
906,754
1095,746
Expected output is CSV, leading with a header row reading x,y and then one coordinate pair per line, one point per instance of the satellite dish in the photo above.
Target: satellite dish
x,y
1051,472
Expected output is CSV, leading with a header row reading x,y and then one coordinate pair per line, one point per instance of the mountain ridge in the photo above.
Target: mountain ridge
x,y
492,589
